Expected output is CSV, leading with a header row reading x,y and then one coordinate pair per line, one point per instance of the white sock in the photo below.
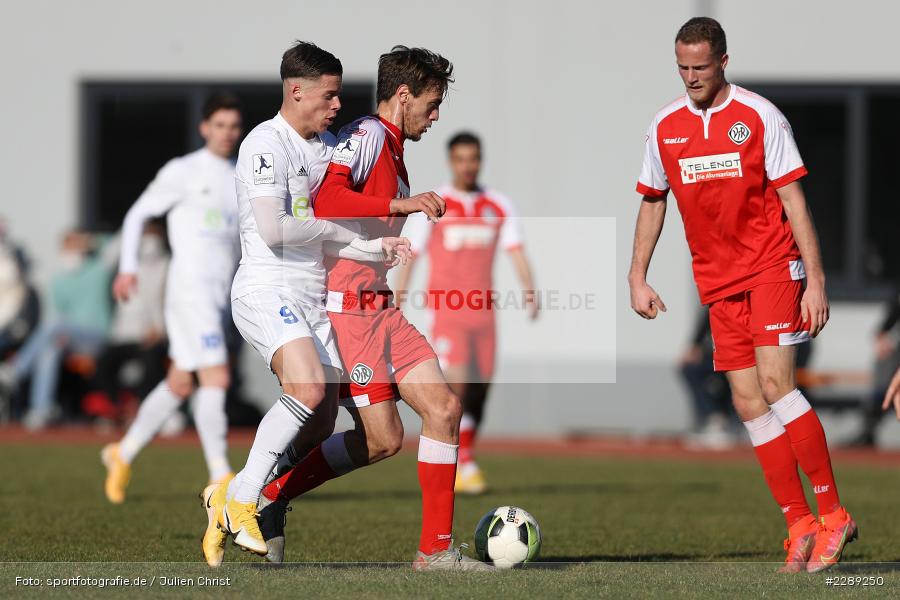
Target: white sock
x,y
435,452
155,409
278,429
212,426
764,429
234,485
467,422
334,451
792,406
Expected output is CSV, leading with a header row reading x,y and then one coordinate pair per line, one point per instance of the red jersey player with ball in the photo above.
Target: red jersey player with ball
x,y
386,358
730,159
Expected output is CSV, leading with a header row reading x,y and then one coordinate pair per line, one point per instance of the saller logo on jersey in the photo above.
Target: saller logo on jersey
x,y
361,374
739,133
263,169
708,168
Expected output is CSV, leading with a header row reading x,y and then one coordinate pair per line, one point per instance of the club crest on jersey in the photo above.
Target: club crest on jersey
x,y
361,374
739,133
344,151
709,168
489,215
263,168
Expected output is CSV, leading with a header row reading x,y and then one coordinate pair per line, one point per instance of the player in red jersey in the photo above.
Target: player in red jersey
x,y
385,356
730,159
461,246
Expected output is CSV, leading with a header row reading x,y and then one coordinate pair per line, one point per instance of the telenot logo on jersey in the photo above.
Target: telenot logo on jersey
x,y
263,168
739,133
706,168
361,374
344,151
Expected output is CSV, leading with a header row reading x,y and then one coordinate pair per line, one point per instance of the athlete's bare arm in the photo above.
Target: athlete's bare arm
x,y
651,216
814,304
401,286
893,395
523,270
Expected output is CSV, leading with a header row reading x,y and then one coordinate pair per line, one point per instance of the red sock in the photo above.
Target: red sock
x,y
309,473
437,474
466,439
811,449
779,465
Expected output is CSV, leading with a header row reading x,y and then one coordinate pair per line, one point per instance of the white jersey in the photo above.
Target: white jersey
x,y
196,192
276,162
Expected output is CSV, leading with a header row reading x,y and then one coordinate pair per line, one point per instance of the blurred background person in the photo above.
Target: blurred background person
x,y
196,192
711,399
134,359
887,360
80,302
462,247
19,305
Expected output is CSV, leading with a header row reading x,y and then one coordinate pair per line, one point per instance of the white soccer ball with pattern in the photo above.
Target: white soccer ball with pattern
x,y
507,536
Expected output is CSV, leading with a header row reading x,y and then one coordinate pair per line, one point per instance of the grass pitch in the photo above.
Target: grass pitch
x,y
612,528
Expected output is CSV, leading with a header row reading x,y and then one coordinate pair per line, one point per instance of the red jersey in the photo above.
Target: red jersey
x,y
462,246
368,159
724,167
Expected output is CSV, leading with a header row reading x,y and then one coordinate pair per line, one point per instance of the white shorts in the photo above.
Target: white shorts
x,y
196,333
270,319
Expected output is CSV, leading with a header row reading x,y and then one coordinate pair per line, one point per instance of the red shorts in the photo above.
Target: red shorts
x,y
377,350
765,315
465,344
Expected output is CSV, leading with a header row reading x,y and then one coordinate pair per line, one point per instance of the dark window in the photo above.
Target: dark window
x,y
131,129
846,137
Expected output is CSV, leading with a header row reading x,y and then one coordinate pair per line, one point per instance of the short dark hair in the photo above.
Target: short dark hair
x,y
308,61
418,68
220,101
704,29
466,138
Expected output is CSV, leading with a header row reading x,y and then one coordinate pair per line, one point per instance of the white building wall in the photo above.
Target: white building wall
x,y
562,93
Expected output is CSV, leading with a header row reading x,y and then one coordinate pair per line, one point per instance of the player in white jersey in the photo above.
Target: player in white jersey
x,y
196,193
278,295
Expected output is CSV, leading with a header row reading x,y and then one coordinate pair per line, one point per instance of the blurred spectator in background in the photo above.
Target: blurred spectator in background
x,y
81,305
713,415
887,360
19,304
134,359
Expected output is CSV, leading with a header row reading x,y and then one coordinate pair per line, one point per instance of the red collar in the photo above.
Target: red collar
x,y
393,130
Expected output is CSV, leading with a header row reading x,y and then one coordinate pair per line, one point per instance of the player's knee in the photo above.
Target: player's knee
x,y
774,388
181,387
310,394
445,410
747,406
385,445
220,379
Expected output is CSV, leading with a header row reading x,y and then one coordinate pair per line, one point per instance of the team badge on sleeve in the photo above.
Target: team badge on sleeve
x,y
263,168
739,133
344,151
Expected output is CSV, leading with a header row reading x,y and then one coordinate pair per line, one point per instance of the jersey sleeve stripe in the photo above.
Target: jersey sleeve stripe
x,y
646,190
789,177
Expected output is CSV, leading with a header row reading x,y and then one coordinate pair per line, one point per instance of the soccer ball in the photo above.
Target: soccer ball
x,y
506,537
